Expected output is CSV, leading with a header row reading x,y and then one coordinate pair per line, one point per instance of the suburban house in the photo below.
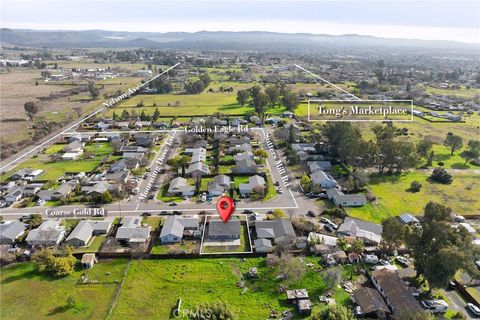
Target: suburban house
x,y
218,185
243,155
85,230
237,140
122,164
175,227
407,218
346,200
49,233
254,182
392,288
118,177
197,154
370,303
145,139
179,187
314,237
263,245
9,232
73,150
26,174
127,149
98,188
315,166
61,192
246,165
240,147
255,120
219,230
321,180
279,230
141,124
197,169
132,231
360,229
14,195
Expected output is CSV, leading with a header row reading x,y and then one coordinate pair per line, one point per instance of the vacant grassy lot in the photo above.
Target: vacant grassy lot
x,y
393,197
26,294
152,288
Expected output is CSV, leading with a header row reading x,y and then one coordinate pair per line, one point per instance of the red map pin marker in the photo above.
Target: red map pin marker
x,y
225,207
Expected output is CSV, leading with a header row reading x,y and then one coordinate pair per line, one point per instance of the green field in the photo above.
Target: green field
x,y
463,195
152,288
461,92
26,294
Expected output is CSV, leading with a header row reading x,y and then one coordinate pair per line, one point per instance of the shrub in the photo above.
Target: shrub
x,y
415,186
441,175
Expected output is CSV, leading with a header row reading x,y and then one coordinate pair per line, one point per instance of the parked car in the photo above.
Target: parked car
x,y
277,183
173,204
247,211
403,261
312,214
333,225
150,197
473,309
146,214
384,262
371,258
279,190
328,228
41,202
177,212
451,285
435,306
325,220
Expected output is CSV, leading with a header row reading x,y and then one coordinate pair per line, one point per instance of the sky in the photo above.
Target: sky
x,y
433,20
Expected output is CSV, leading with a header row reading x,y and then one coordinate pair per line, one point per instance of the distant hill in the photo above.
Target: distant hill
x,y
221,40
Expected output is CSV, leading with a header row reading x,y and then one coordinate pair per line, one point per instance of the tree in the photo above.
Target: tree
x,y
278,213
93,90
334,312
106,197
415,186
305,182
273,95
424,147
43,259
31,109
261,153
290,100
393,234
242,97
156,114
441,175
342,244
114,116
260,101
472,152
440,250
60,266
34,220
292,268
454,142
125,114
357,246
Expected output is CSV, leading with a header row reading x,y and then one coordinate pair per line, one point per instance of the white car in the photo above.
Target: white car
x,y
403,261
435,306
40,202
473,309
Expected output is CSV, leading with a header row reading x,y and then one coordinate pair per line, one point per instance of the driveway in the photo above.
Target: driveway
x,y
457,303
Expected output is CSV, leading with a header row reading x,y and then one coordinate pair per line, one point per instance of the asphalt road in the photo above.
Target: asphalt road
x,y
457,303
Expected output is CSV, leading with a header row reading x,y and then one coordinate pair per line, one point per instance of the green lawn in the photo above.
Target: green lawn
x,y
154,222
162,195
463,195
153,287
54,170
240,180
26,294
93,246
188,245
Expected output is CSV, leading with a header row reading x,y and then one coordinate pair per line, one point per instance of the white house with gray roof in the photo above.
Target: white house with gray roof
x,y
360,229
179,186
276,230
49,233
85,230
253,183
218,185
174,227
322,180
346,200
10,231
132,231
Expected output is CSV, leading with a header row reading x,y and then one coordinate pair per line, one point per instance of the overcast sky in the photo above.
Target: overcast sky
x,y
438,20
